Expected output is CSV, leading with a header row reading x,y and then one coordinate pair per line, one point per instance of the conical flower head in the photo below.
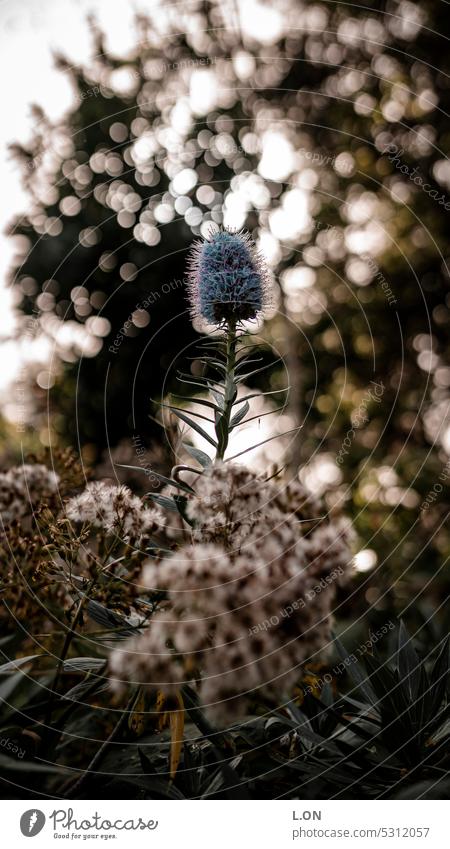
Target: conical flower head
x,y
228,280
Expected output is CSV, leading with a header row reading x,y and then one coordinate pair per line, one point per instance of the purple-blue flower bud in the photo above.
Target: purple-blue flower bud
x,y
228,280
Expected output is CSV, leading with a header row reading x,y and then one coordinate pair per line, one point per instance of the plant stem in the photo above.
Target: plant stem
x,y
64,652
71,633
223,425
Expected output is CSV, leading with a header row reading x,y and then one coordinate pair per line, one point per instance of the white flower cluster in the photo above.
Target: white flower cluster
x,y
115,510
249,602
23,487
229,503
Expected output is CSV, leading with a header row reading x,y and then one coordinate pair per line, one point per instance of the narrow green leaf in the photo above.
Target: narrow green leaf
x,y
198,455
14,665
408,662
84,664
218,365
240,414
196,400
392,693
267,413
246,361
230,392
168,481
215,785
8,684
14,765
176,410
221,433
199,381
155,545
243,377
440,675
107,618
219,397
163,501
356,674
91,685
184,418
262,394
264,441
147,768
326,695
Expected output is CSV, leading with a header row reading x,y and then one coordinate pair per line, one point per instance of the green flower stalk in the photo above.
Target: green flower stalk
x,y
223,421
244,557
228,285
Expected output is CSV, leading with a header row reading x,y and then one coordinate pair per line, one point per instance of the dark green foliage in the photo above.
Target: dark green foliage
x,y
384,735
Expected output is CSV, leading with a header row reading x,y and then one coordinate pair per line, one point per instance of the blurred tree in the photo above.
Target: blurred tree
x,y
311,131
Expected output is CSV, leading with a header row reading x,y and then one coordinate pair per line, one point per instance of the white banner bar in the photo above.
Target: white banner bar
x,y
225,824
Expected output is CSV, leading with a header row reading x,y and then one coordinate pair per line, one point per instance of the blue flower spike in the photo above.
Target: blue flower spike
x,y
228,280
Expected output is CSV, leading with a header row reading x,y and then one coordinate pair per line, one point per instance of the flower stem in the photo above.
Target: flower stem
x,y
70,634
223,421
69,637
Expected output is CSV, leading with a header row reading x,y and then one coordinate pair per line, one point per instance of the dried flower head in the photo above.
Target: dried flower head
x,y
22,488
228,280
236,625
12,501
250,602
115,510
229,501
36,480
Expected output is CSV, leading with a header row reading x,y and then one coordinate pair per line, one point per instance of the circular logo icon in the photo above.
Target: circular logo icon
x,y
32,822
